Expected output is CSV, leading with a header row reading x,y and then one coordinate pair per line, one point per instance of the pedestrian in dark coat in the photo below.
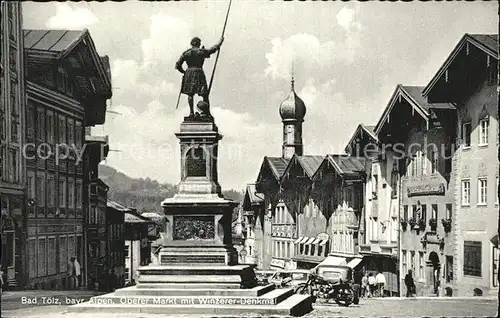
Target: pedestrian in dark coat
x,y
410,284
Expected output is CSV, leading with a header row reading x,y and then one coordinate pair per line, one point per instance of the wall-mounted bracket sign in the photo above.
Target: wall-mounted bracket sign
x,y
426,189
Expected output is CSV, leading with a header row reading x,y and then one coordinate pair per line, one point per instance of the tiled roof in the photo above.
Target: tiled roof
x,y
132,218
51,40
488,40
116,206
251,196
348,165
310,164
488,43
415,92
278,165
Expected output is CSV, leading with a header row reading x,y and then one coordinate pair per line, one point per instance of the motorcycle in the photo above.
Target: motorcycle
x,y
340,291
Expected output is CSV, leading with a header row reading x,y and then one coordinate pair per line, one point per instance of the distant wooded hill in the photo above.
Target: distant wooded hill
x,y
144,194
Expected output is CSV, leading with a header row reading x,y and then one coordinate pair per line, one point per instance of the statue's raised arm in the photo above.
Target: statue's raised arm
x,y
194,80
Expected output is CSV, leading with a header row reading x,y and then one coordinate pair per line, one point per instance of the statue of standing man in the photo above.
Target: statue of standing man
x,y
194,80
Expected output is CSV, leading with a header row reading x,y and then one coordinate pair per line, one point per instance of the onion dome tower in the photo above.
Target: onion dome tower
x,y
292,112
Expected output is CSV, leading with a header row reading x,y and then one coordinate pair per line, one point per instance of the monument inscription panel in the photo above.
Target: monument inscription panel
x,y
196,163
193,228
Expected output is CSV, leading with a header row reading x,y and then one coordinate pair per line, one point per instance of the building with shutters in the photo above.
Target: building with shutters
x,y
468,79
67,86
12,129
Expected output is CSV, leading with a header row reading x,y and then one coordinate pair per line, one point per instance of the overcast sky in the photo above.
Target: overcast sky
x,y
349,57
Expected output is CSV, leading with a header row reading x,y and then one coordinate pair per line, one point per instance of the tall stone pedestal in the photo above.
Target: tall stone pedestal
x,y
198,269
198,218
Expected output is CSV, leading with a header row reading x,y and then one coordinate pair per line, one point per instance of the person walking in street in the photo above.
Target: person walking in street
x,y
78,272
410,285
380,280
371,285
364,286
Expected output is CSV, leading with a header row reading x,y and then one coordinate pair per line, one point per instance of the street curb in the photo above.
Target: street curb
x,y
435,298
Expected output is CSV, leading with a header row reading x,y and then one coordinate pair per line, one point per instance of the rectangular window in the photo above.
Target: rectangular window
x,y
30,183
51,191
482,188
78,134
71,132
32,253
423,164
40,188
483,131
421,265
412,261
435,212
414,166
465,192
71,246
434,161
423,212
404,261
42,257
466,133
472,258
62,130
14,165
40,124
78,193
30,121
414,213
449,211
62,192
63,254
71,193
50,127
449,269
52,252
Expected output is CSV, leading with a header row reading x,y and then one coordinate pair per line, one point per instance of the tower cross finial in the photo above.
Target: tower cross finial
x,y
293,75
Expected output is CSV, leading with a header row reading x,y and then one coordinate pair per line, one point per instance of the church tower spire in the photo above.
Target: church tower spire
x,y
292,112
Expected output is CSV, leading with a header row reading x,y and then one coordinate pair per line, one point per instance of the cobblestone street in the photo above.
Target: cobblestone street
x,y
388,307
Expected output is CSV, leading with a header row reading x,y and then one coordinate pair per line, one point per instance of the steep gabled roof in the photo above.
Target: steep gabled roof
x,y
307,164
57,44
310,164
413,95
277,165
360,131
345,165
488,43
251,197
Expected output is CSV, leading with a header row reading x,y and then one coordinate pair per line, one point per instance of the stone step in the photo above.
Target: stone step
x,y
188,286
295,305
188,279
195,269
155,292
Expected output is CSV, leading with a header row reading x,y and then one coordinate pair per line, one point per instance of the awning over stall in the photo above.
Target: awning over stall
x,y
333,261
354,262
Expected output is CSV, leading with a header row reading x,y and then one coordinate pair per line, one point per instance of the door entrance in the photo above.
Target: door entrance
x,y
436,272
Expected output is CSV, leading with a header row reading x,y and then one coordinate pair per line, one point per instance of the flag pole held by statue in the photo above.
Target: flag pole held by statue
x,y
216,58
